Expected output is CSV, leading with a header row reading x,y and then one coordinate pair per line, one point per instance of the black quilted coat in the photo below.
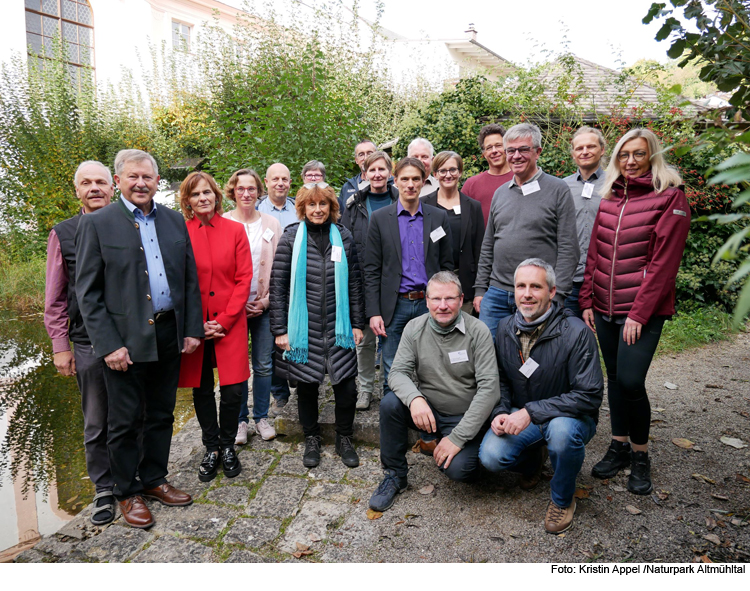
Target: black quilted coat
x,y
323,356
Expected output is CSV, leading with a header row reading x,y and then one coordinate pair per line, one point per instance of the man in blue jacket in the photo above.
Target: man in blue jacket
x,y
361,151
551,388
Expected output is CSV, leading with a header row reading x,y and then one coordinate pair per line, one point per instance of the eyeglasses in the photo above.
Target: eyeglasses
x,y
450,301
498,147
448,171
313,175
313,185
639,156
523,150
248,190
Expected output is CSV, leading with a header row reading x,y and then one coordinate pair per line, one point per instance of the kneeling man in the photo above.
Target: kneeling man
x,y
451,354
551,385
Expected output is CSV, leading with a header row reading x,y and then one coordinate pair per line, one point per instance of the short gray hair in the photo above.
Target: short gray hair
x,y
125,156
523,130
420,140
542,265
87,163
314,165
445,278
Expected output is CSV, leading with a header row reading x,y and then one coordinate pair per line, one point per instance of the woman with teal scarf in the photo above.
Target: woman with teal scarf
x,y
317,316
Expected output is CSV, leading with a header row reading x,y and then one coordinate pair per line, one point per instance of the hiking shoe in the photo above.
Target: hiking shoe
x,y
345,448
265,430
209,466
277,407
230,462
385,495
616,458
363,400
639,482
559,519
540,457
241,438
311,456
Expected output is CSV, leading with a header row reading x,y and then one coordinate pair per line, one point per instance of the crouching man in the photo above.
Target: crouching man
x,y
551,385
451,354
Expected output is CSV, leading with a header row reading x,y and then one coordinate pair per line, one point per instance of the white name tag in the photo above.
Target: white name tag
x,y
588,190
457,209
336,254
530,188
458,356
679,212
529,367
268,235
437,234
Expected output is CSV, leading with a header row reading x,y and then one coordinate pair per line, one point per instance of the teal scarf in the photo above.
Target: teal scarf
x,y
298,319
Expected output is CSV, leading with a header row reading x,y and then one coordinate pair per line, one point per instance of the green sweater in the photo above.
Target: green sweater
x,y
452,386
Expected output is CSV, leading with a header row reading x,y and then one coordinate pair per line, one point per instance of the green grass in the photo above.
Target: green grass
x,y
22,284
696,328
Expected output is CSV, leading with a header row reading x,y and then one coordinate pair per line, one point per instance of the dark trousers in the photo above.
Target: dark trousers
x,y
571,302
395,422
147,391
627,366
90,378
216,434
345,395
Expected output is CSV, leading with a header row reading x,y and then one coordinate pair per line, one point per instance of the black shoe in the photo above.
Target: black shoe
x,y
345,448
616,458
311,457
385,495
639,482
209,466
230,462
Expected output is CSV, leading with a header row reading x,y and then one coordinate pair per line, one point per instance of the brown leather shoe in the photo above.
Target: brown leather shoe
x,y
530,482
135,512
425,447
168,495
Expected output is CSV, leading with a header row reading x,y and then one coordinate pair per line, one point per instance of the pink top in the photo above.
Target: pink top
x,y
56,296
482,187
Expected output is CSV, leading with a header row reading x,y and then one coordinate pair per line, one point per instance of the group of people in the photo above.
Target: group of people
x,y
487,302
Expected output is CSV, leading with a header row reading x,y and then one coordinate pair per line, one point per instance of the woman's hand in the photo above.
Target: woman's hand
x,y
631,331
282,342
254,309
358,336
213,330
588,318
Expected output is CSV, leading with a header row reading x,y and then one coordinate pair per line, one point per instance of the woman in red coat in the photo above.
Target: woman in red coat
x,y
222,256
629,289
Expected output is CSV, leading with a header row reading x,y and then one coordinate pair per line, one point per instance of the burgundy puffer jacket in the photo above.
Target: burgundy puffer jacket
x,y
635,251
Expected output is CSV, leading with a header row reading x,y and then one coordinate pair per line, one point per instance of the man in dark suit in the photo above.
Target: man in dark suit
x,y
137,289
407,243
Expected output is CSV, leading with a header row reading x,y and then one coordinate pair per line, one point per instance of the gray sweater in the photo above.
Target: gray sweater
x,y
453,387
541,224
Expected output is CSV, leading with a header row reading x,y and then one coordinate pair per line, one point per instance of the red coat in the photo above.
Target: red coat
x,y
635,251
225,269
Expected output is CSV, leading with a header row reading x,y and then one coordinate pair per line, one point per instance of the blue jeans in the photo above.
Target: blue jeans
x,y
566,440
261,352
405,311
496,305
571,302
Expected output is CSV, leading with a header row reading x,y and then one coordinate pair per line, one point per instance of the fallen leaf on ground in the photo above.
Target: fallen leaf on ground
x,y
658,409
314,538
710,522
301,547
670,386
738,522
411,516
609,497
301,554
706,559
701,478
742,478
618,489
683,443
399,522
713,538
663,494
633,510
720,497
373,514
426,490
714,386
582,493
733,441
416,449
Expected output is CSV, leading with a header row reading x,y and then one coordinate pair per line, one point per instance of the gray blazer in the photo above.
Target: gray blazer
x,y
112,283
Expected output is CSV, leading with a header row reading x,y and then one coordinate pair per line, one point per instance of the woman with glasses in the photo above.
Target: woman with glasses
x,y
314,172
356,218
225,274
263,232
317,316
629,289
465,218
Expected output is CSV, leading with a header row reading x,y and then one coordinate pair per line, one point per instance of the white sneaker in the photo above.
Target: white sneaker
x,y
241,438
363,400
265,430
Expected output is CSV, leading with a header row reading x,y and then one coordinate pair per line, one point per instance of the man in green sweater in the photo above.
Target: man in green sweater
x,y
453,358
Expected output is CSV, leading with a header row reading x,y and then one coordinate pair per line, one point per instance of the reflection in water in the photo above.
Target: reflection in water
x,y
41,433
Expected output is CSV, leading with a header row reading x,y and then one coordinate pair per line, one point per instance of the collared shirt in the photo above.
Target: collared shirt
x,y
430,186
56,296
285,215
536,176
586,210
411,232
528,339
161,296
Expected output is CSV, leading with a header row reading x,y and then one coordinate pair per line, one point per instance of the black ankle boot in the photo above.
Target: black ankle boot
x,y
639,482
616,458
345,448
230,462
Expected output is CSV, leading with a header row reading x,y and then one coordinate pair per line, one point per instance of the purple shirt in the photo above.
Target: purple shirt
x,y
411,231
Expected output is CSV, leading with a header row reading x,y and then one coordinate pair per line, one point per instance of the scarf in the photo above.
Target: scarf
x,y
298,319
529,327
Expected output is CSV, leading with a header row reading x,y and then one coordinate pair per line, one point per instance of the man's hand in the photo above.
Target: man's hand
x,y
631,332
254,309
65,363
478,304
445,452
498,424
517,422
358,336
378,326
118,360
421,414
282,342
588,318
190,344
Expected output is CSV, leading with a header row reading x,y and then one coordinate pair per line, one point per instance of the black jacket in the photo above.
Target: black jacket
x,y
66,234
568,381
356,219
323,354
469,242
